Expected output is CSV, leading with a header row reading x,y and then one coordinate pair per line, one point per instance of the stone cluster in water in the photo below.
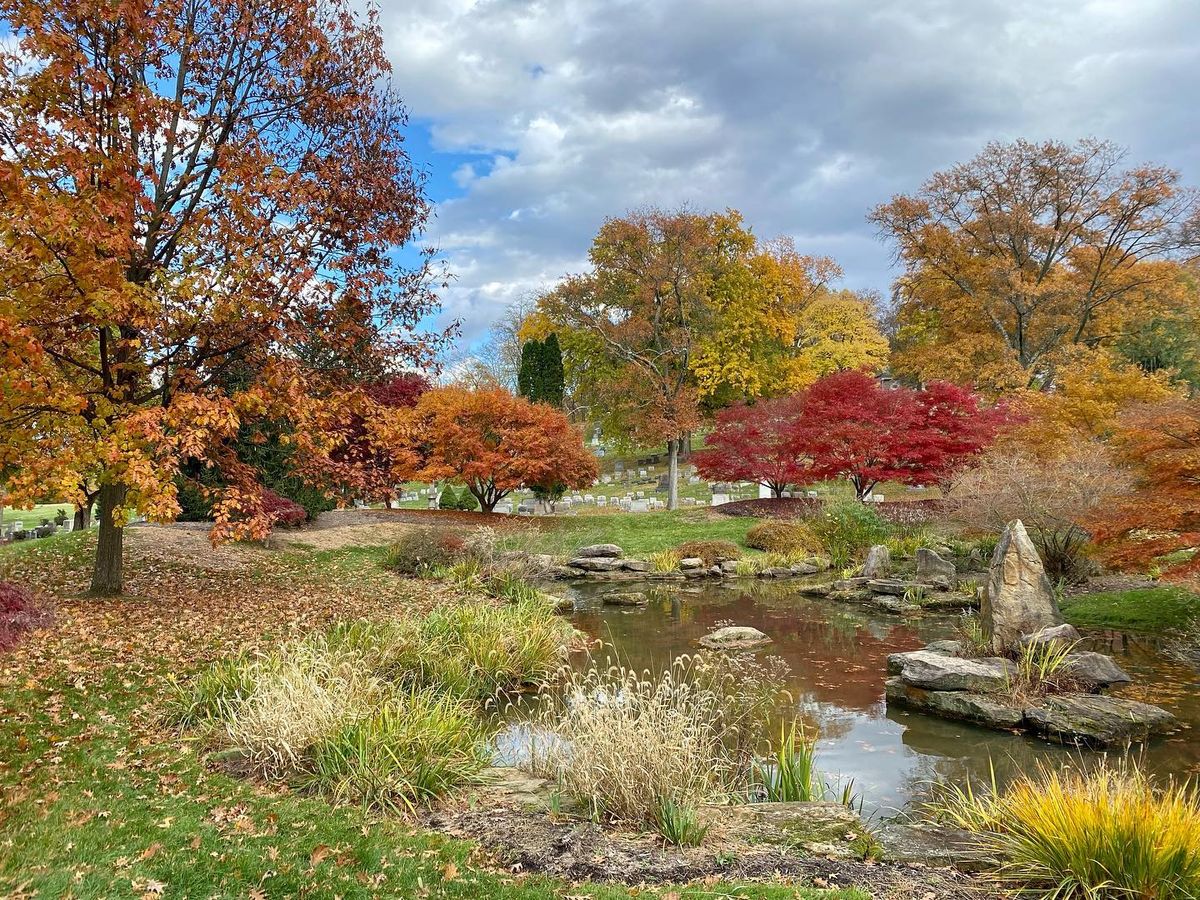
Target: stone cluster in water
x,y
1019,612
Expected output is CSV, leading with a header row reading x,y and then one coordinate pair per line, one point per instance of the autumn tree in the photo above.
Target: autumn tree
x,y
1158,522
777,325
644,306
495,442
1094,388
755,443
188,185
851,426
1030,248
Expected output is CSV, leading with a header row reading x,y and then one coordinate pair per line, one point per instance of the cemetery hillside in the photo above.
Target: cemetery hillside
x,y
337,565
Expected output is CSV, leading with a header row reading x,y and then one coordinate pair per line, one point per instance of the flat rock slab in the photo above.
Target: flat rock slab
x,y
981,709
635,565
734,637
691,562
1096,721
607,551
929,844
893,586
595,563
938,672
827,829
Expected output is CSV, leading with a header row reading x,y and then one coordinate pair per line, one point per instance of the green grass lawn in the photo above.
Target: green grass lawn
x,y
33,517
636,533
1158,609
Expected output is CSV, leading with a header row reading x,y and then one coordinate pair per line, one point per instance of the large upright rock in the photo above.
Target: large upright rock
x,y
933,569
1018,598
878,563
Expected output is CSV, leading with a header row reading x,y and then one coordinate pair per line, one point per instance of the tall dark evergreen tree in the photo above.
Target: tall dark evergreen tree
x,y
540,378
553,378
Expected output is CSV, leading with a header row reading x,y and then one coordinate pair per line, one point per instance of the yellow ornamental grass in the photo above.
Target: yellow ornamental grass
x,y
1107,834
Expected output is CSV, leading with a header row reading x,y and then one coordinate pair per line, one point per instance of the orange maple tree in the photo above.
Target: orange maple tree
x,y
496,442
186,186
1161,516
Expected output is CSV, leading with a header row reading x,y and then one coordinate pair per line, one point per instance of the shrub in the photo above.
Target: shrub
x,y
847,529
421,549
712,552
1107,834
20,612
282,510
1051,496
783,537
458,499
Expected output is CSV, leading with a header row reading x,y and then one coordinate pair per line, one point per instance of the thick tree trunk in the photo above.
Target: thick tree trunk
x,y
82,518
685,452
106,575
673,474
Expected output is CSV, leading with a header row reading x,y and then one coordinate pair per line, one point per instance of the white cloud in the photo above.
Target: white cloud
x,y
804,115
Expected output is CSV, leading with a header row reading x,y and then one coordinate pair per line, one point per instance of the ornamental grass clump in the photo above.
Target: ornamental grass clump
x,y
629,745
384,713
792,538
1108,834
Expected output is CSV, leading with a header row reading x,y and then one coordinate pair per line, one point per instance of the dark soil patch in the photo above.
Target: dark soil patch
x,y
572,847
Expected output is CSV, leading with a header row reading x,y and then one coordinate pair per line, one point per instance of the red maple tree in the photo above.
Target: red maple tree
x,y
852,426
756,443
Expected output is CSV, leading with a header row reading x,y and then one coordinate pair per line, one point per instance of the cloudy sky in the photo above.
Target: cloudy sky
x,y
536,120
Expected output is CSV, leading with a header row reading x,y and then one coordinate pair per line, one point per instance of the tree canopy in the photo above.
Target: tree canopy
x,y
1031,249
187,186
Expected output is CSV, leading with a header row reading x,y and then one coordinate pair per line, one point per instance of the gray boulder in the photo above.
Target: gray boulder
x,y
964,705
933,569
878,562
1018,598
1094,671
938,672
734,637
803,568
1093,720
606,551
625,598
728,566
691,562
595,563
1065,634
949,648
896,605
635,565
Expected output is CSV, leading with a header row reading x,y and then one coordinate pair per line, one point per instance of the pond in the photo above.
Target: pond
x,y
837,655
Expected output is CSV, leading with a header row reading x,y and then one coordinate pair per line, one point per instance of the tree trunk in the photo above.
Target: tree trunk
x,y
106,575
673,474
83,518
685,452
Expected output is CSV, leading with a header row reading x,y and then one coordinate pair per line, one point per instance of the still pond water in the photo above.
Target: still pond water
x,y
837,655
